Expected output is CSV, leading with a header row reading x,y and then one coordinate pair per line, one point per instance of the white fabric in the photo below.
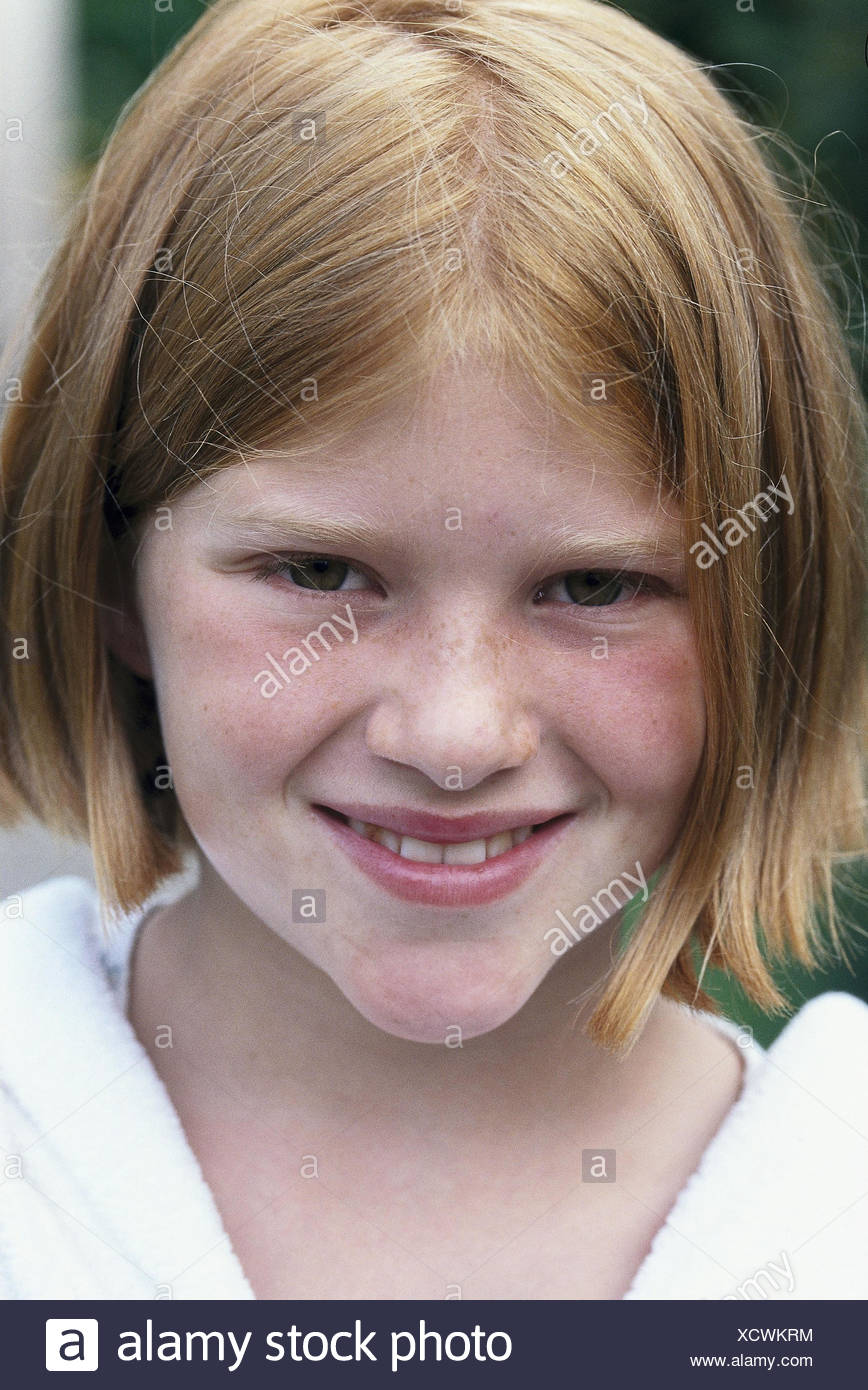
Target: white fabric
x,y
111,1201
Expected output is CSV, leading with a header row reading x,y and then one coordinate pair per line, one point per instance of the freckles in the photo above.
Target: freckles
x,y
662,688
216,641
666,715
638,715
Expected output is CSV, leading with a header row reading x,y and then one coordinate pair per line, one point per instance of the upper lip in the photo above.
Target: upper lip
x,y
446,830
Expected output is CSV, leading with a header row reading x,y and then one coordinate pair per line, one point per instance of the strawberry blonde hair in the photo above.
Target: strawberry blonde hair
x,y
309,205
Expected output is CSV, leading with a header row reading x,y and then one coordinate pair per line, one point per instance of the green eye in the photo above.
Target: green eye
x,y
315,571
594,588
319,572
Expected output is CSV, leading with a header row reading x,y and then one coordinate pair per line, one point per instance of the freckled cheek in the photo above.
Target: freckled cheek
x,y
219,727
637,717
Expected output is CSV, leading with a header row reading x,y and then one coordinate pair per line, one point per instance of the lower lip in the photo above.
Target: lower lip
x,y
446,885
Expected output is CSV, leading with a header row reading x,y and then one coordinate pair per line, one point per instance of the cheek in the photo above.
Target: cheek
x,y
636,715
230,718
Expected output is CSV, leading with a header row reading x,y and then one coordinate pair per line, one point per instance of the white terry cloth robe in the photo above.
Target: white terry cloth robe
x,y
102,1197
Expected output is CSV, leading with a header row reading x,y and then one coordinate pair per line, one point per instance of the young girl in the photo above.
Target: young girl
x,y
431,519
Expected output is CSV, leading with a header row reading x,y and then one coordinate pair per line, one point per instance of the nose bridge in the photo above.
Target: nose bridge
x,y
460,698
466,648
469,659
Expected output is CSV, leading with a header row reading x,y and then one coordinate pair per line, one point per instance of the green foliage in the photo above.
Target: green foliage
x,y
848,973
120,44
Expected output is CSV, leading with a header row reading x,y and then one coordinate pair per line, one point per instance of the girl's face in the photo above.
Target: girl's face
x,y
459,662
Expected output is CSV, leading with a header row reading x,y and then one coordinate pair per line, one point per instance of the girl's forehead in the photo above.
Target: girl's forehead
x,y
470,451
521,513
468,428
475,402
497,474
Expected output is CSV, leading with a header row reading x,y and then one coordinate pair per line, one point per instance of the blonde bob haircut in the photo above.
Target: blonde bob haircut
x,y
309,206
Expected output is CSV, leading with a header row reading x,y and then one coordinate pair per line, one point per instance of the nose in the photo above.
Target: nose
x,y
454,703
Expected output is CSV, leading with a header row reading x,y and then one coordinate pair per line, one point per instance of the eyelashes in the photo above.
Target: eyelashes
x,y
600,588
312,573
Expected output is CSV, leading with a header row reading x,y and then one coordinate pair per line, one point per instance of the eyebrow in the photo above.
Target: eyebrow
x,y
271,526
622,547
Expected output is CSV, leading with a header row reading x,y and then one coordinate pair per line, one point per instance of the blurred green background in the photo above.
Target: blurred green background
x,y
796,66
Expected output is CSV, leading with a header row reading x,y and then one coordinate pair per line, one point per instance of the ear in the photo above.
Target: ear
x,y
119,621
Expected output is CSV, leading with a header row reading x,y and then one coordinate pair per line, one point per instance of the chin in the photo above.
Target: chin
x,y
428,992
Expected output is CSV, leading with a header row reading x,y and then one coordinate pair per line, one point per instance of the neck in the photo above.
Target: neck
x,y
265,1023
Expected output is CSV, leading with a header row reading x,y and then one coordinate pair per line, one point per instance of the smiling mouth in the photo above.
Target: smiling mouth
x,y
465,852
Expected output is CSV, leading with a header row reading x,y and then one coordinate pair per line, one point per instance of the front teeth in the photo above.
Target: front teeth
x,y
421,851
424,852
